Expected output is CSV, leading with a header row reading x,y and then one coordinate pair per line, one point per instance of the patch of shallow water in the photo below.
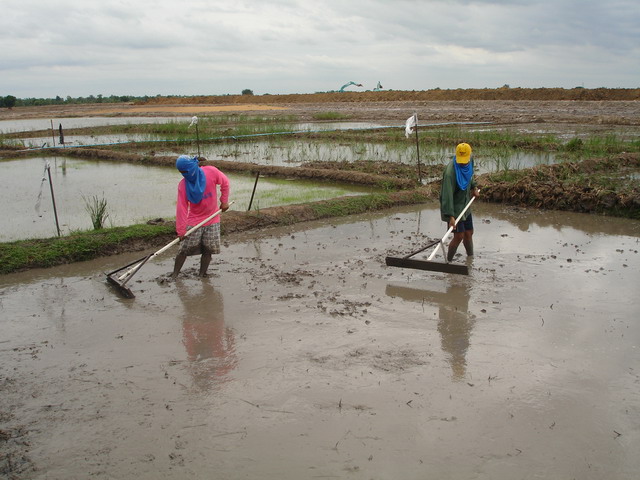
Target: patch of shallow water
x,y
87,140
303,355
17,126
35,124
133,193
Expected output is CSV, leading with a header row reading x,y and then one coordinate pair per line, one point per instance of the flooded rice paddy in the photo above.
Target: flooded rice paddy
x,y
294,153
304,356
134,194
291,153
52,138
269,149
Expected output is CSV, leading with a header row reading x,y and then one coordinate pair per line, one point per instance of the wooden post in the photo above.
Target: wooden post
x,y
53,199
254,190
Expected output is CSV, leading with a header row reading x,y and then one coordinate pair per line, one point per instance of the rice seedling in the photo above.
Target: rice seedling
x,y
97,210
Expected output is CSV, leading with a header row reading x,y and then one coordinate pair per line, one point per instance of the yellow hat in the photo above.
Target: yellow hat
x,y
463,153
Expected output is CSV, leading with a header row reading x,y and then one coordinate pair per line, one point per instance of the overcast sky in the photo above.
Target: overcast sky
x,y
212,47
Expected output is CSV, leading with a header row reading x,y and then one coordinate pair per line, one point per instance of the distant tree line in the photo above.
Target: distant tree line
x,y
10,101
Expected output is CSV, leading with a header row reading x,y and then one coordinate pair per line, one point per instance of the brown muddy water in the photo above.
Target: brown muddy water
x,y
304,356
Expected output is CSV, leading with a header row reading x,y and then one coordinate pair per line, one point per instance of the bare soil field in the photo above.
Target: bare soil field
x,y
577,106
303,355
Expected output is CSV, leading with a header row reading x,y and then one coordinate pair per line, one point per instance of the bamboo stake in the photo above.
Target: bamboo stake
x,y
53,199
418,153
198,139
254,190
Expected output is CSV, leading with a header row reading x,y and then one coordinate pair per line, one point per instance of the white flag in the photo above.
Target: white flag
x,y
194,121
412,122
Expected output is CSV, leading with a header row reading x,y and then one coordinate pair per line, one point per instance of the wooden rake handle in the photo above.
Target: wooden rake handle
x,y
129,273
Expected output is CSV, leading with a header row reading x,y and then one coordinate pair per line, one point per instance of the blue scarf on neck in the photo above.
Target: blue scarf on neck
x,y
194,178
464,172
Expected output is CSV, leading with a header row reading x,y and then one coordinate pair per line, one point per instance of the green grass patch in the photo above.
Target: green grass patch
x,y
329,116
341,207
48,252
81,246
599,146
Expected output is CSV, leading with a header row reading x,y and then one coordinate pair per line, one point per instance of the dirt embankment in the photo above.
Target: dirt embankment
x,y
582,106
391,178
603,185
531,94
599,106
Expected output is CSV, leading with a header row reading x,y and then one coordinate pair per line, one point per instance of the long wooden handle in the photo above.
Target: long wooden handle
x,y
133,269
189,232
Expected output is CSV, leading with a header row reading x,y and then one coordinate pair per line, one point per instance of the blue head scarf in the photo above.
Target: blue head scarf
x,y
464,172
194,178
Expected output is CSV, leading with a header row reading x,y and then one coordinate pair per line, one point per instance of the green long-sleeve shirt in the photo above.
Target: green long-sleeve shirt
x,y
452,199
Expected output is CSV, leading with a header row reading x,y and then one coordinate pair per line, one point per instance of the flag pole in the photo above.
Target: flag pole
x,y
194,121
198,140
418,151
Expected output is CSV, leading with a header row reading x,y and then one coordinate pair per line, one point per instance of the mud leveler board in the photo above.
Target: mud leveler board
x,y
408,262
447,267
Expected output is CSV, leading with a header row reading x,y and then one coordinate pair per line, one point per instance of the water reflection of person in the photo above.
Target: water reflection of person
x,y
210,345
455,323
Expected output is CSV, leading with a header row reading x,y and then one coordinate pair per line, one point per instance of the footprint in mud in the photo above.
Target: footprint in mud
x,y
165,279
176,459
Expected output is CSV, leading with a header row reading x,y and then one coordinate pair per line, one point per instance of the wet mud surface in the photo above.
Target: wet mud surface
x,y
304,356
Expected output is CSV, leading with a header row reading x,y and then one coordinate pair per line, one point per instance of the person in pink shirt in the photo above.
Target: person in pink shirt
x,y
197,200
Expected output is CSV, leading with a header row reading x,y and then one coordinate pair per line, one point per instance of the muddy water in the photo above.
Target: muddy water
x,y
304,356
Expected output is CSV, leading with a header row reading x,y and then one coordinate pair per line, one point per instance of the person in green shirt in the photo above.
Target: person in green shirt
x,y
458,186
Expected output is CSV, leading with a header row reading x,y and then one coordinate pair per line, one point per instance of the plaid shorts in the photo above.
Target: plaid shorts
x,y
204,240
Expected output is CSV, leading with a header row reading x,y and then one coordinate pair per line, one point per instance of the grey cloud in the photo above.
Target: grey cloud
x,y
295,45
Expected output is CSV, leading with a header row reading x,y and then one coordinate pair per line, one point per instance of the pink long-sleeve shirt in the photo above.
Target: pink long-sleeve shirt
x,y
191,214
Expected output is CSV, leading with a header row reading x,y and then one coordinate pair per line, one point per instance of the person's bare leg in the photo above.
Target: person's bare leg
x,y
468,242
180,258
453,245
205,260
